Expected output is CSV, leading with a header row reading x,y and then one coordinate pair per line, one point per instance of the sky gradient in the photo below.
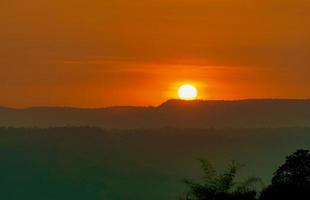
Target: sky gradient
x,y
100,53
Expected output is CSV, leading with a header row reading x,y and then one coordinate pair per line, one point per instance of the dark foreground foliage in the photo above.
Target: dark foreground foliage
x,y
221,186
291,181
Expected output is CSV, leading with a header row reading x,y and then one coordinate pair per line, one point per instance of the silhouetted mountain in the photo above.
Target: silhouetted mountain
x,y
173,113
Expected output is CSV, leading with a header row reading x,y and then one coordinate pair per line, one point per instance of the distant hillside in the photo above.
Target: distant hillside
x,y
173,113
94,164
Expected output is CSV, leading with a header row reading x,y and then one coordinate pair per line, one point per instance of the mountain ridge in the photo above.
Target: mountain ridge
x,y
251,113
170,101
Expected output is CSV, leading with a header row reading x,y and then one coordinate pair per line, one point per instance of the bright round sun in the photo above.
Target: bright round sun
x,y
188,92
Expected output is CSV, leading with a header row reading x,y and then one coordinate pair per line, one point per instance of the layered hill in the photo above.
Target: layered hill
x,y
173,113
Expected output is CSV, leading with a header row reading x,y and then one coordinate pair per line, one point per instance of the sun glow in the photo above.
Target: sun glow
x,y
187,92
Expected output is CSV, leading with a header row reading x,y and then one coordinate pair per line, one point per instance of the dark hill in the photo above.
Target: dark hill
x,y
173,113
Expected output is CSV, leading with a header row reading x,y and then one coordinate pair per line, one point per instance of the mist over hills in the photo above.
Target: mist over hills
x,y
95,164
155,148
173,113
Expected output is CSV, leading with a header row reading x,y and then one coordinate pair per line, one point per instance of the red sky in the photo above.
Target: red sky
x,y
100,53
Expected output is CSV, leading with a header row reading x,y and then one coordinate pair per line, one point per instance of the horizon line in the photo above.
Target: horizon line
x,y
153,106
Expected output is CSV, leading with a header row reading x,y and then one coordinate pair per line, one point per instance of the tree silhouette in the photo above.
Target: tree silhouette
x,y
296,170
292,179
221,186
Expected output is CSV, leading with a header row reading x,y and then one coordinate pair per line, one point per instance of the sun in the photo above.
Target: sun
x,y
188,92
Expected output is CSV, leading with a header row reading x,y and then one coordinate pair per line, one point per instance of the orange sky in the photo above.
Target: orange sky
x,y
99,53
